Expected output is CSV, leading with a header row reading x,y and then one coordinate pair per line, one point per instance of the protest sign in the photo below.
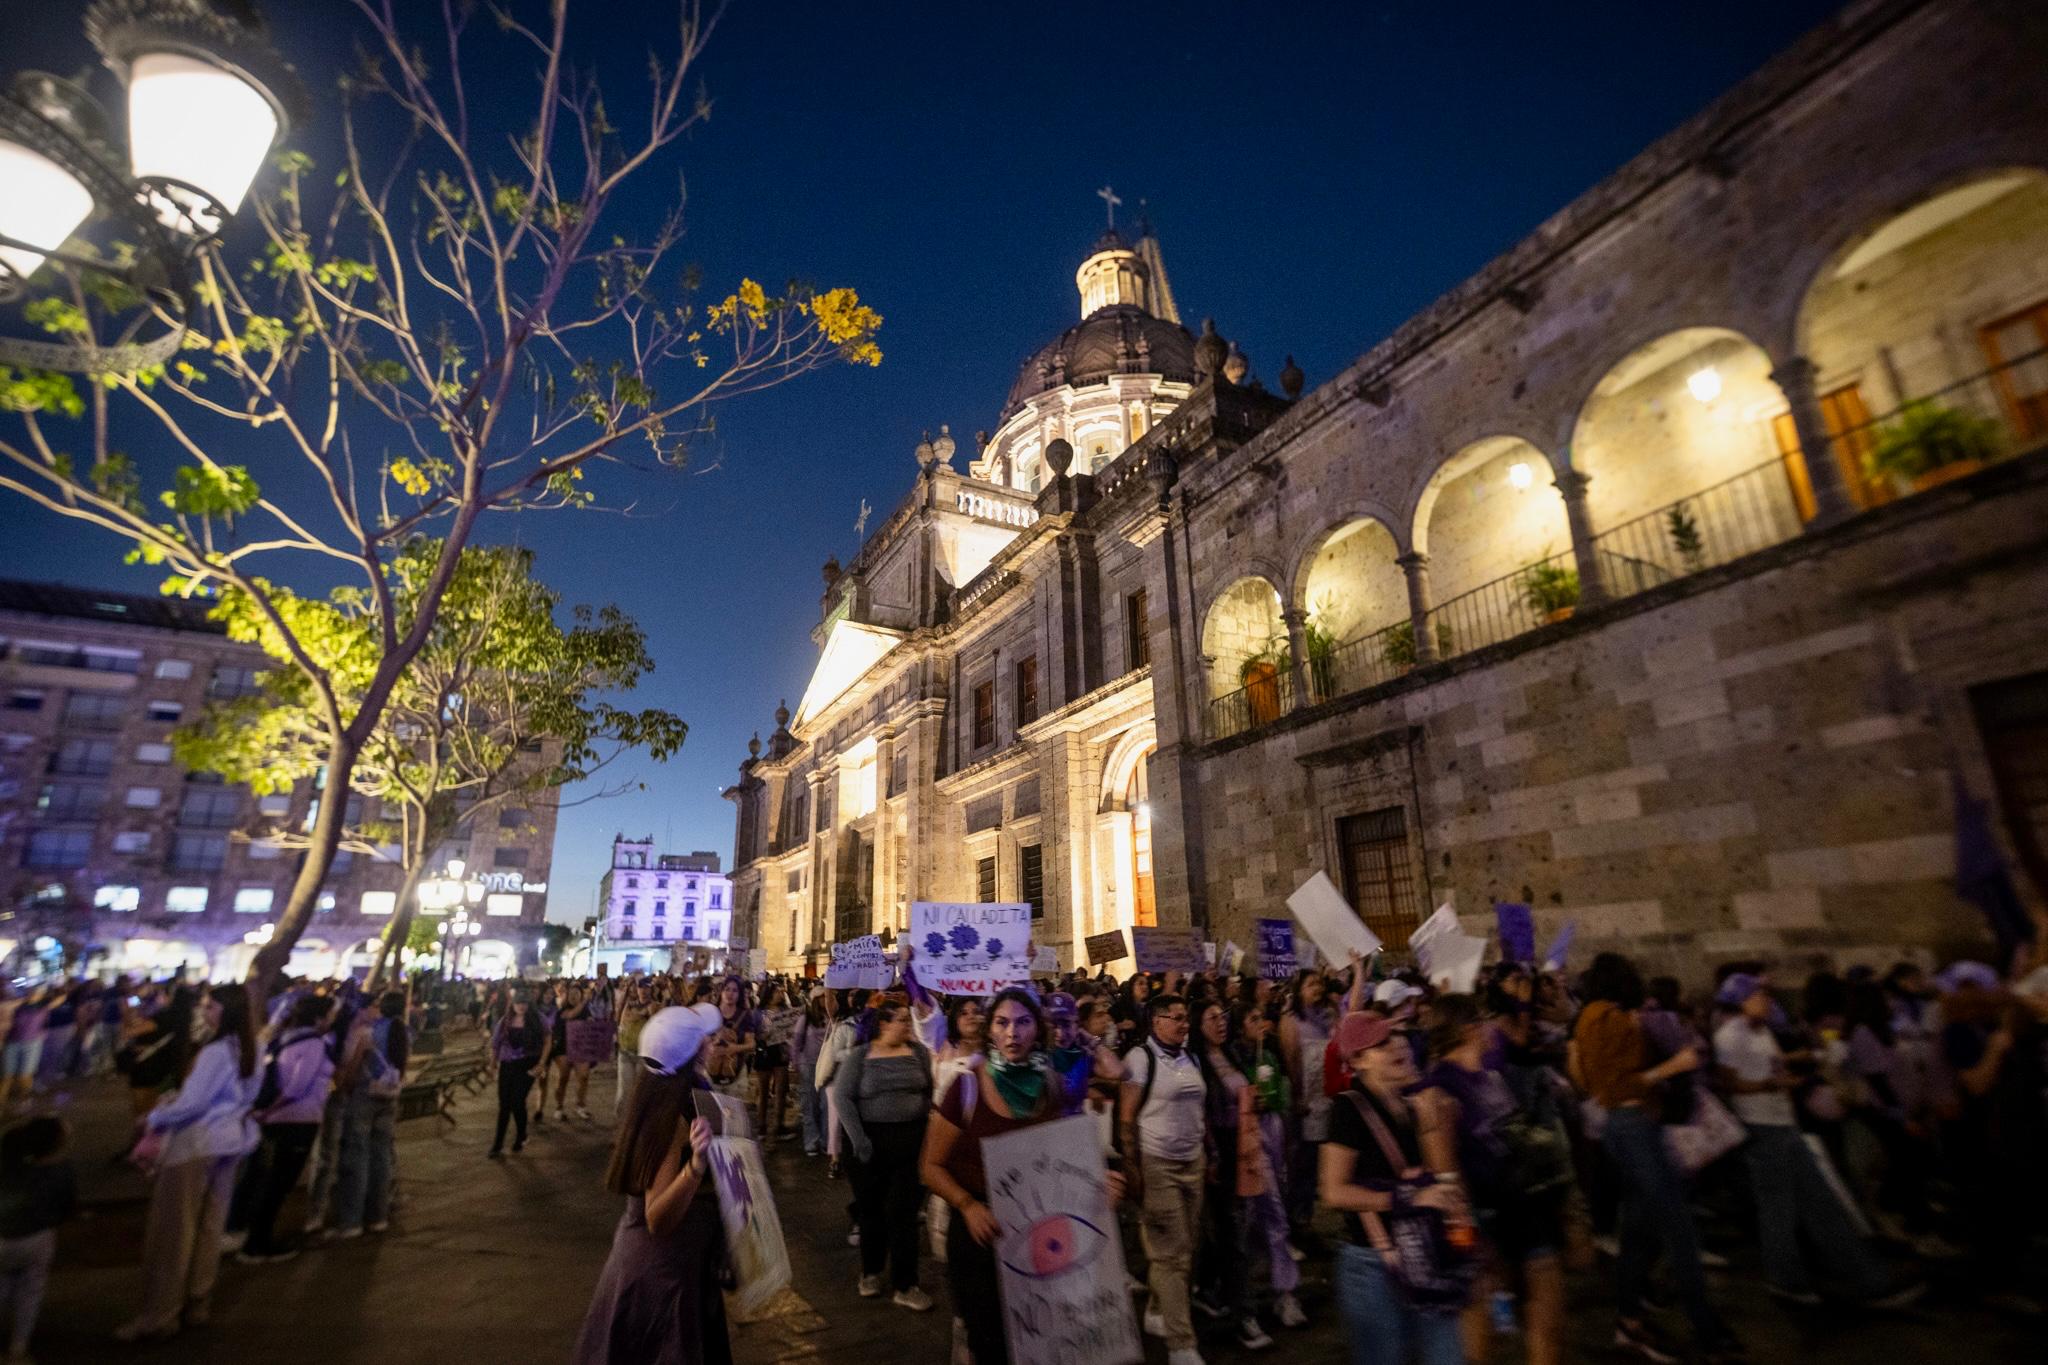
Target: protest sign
x,y
1233,958
1059,1255
1443,921
1045,961
1276,948
1160,949
1104,949
1448,956
858,964
753,1229
1330,922
757,963
966,948
1559,946
590,1041
727,1114
1517,932
1209,953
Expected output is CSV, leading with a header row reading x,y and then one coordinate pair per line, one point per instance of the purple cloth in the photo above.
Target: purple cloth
x,y
658,1301
29,1022
1517,932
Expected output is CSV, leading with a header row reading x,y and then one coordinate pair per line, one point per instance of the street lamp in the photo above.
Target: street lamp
x,y
207,98
461,926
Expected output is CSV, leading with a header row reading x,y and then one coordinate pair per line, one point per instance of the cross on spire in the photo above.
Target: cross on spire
x,y
1109,202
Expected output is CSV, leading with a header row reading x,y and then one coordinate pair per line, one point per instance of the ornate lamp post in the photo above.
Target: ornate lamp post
x,y
207,98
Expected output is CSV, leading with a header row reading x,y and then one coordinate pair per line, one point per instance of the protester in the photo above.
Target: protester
x,y
779,1019
658,1298
196,1138
1222,1283
38,1194
1162,1121
806,1047
518,1043
155,1054
371,1075
633,1014
1305,1028
1264,1214
883,1094
574,1011
288,1106
22,1057
1610,1064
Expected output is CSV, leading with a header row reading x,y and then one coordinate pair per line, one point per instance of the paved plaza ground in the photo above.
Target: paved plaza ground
x,y
490,1262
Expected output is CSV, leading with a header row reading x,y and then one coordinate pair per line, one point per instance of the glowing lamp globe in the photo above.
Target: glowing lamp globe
x,y
193,125
43,205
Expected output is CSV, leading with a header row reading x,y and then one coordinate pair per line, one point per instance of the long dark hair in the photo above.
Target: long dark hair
x,y
660,1105
1614,978
236,1023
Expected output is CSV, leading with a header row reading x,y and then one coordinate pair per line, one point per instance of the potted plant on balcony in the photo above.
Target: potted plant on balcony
x,y
1929,444
1551,590
1684,530
1398,649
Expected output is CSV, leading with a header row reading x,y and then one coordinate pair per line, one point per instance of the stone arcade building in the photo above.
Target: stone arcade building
x,y
1582,588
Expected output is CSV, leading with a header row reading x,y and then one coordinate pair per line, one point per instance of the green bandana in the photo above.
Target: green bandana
x,y
1021,1084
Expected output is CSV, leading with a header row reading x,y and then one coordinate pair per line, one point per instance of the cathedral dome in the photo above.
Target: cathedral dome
x,y
1120,338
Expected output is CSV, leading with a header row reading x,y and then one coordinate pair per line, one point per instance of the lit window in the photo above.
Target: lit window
x,y
152,753
254,900
661,910
174,668
144,798
379,902
502,903
132,841
117,898
185,900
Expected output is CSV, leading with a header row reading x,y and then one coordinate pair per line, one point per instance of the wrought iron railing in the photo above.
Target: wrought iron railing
x,y
1533,595
1261,701
1363,661
1725,521
2011,397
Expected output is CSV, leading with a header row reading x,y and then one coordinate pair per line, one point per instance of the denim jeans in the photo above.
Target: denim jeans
x,y
369,1141
1654,1216
1793,1197
326,1162
808,1103
1383,1327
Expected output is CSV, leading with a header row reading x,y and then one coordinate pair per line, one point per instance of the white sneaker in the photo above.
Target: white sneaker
x,y
915,1299
1155,1325
1290,1312
870,1286
1186,1355
1251,1336
853,1238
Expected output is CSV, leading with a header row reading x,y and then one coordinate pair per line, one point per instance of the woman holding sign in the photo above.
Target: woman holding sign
x,y
658,1298
1017,1088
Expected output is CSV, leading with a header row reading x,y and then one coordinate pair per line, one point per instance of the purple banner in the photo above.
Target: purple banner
x,y
1276,948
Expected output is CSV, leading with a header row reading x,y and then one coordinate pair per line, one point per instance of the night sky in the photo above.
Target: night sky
x,y
1316,174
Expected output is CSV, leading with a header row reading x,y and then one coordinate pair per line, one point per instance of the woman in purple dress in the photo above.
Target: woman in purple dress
x,y
658,1301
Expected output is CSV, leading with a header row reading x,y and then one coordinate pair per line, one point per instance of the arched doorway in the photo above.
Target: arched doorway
x,y
1686,473
1353,596
1499,546
1123,830
1938,312
1244,641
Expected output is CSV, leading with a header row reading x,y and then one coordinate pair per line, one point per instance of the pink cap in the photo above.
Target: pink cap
x,y
1360,1031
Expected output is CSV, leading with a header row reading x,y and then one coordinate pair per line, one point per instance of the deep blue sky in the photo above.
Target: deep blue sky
x,y
1316,173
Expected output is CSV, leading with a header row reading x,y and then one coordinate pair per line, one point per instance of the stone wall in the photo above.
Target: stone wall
x,y
1753,763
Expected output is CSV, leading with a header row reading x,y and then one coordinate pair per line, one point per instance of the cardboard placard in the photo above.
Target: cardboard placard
x,y
1059,1255
970,948
1276,948
1330,922
1045,961
1160,949
858,964
1104,949
753,1229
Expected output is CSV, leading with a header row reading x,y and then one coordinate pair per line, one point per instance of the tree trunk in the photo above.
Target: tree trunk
x,y
305,895
400,928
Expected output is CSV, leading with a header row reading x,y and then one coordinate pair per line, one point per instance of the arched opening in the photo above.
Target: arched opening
x,y
1123,834
1677,440
1492,524
1356,600
1935,320
490,959
311,958
361,958
1244,641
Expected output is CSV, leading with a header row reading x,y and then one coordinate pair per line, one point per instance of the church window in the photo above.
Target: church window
x,y
985,880
1137,644
984,715
1027,690
1031,878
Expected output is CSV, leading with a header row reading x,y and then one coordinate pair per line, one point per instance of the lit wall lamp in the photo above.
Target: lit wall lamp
x,y
207,98
1519,475
1704,384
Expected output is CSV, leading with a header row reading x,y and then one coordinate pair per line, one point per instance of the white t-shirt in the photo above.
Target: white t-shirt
x,y
1172,1121
1752,1054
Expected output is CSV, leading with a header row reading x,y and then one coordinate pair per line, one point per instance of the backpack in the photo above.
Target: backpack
x,y
1152,1073
1414,1243
385,1081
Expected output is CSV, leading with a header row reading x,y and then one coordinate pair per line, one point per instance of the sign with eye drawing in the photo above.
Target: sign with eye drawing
x,y
1059,1260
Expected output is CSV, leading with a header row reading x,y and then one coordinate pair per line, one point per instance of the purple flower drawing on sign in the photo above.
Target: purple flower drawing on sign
x,y
934,943
964,937
995,948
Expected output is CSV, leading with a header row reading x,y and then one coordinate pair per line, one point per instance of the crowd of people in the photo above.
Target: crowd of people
x,y
1443,1156
1852,1128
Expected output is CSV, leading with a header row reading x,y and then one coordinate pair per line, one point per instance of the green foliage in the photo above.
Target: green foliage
x,y
1397,647
39,391
420,933
1549,588
211,491
1684,530
1927,435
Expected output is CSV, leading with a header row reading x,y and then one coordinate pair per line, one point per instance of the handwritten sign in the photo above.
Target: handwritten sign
x,y
1159,949
1059,1257
1045,961
858,964
1233,958
1276,948
753,1229
969,948
1104,949
1329,921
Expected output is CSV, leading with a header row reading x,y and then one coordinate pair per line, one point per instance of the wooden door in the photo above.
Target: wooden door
x,y
1262,691
2015,347
1851,436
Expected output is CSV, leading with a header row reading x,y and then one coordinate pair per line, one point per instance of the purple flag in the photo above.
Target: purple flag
x,y
1517,932
1560,945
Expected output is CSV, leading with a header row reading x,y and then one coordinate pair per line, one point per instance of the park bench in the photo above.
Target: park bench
x,y
431,1091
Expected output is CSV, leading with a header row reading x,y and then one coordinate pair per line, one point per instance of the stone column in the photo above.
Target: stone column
x,y
1592,581
1831,499
1415,568
1297,654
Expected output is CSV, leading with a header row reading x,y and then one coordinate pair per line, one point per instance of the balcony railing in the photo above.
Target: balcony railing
x,y
1506,607
1735,517
1259,702
1363,661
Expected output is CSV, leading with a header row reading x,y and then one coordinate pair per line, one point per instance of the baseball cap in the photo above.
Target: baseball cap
x,y
1737,988
1362,1030
1394,992
671,1040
